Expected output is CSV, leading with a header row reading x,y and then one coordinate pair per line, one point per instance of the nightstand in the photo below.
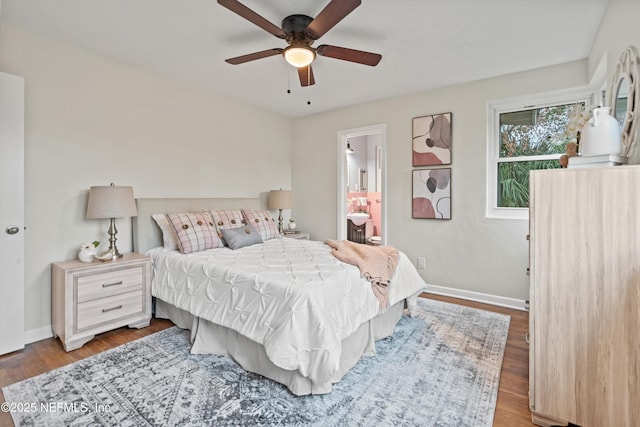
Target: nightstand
x,y
299,236
95,297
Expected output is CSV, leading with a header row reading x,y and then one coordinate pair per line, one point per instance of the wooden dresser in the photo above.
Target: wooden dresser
x,y
91,298
585,297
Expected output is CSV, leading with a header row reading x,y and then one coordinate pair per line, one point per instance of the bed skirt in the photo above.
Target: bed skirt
x,y
209,338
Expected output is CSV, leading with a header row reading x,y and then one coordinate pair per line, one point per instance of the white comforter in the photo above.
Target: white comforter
x,y
292,296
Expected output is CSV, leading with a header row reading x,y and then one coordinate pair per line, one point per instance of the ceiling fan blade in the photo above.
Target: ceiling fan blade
x,y
253,56
306,76
352,55
333,13
251,16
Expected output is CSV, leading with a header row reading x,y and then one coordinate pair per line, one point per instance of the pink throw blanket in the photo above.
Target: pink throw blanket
x,y
376,263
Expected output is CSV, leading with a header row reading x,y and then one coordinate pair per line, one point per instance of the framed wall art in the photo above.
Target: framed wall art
x,y
431,140
431,193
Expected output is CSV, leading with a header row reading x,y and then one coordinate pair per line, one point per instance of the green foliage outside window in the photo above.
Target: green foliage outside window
x,y
528,133
514,181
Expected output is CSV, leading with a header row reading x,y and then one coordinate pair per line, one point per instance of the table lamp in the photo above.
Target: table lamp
x,y
280,199
111,202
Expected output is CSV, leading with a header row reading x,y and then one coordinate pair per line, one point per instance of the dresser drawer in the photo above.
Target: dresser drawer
x,y
96,312
101,285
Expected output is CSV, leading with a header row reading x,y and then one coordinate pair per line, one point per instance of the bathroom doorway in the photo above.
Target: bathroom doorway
x,y
361,215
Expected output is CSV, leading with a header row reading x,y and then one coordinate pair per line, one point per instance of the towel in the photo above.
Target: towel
x,y
376,263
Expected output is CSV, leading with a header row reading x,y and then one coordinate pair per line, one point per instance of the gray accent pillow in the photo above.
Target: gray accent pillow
x,y
240,237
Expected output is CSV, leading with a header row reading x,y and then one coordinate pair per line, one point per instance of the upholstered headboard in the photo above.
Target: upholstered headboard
x,y
146,233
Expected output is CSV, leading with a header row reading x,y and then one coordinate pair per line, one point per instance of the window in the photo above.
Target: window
x,y
524,134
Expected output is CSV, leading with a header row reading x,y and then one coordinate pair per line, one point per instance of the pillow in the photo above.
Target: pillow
x,y
261,220
195,232
240,237
169,238
227,218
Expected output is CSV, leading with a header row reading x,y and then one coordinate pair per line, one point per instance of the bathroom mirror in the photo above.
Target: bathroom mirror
x,y
624,97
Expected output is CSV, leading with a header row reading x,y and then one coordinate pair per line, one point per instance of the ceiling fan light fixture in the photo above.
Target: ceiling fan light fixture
x,y
299,56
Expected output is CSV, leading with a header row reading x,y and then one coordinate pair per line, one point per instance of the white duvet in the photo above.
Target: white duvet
x,y
292,296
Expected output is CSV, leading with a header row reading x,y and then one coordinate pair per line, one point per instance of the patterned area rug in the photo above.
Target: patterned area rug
x,y
440,368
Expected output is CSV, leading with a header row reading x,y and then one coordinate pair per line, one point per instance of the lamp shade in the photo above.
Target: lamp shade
x,y
111,201
280,199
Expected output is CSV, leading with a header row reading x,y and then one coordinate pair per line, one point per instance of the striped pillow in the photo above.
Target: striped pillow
x,y
262,221
195,232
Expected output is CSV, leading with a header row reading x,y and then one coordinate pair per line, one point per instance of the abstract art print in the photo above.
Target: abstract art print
x,y
431,193
431,140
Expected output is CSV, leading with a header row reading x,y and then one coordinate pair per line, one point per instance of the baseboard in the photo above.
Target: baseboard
x,y
33,335
478,297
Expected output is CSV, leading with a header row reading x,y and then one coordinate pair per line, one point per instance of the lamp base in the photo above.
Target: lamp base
x,y
280,227
111,255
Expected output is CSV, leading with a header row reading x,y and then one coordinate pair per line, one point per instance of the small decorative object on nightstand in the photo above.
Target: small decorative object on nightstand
x,y
296,235
91,298
292,224
87,251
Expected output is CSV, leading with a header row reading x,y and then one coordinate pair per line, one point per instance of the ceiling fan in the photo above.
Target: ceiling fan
x,y
300,31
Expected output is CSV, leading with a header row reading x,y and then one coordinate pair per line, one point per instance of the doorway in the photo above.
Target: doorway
x,y
362,184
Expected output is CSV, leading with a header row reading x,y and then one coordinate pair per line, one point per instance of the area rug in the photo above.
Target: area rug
x,y
440,368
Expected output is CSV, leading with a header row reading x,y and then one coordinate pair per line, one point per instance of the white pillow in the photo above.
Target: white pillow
x,y
169,238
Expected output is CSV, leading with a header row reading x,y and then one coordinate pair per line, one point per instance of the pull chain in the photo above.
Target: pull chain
x,y
309,83
288,81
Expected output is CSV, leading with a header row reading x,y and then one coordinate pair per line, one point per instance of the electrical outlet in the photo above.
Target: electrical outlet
x,y
421,262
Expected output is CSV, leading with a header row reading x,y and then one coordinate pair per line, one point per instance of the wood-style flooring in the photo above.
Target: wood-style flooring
x,y
512,408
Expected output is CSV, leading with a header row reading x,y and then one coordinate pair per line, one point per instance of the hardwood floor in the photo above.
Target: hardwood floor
x,y
512,407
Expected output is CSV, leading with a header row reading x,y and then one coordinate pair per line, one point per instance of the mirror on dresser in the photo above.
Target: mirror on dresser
x,y
624,97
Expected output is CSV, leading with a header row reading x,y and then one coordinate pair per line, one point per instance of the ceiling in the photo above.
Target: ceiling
x,y
425,44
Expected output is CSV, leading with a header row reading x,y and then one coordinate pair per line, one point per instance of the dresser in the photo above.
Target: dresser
x,y
91,298
585,297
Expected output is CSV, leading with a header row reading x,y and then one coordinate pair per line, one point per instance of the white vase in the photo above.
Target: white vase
x,y
85,256
601,134
292,225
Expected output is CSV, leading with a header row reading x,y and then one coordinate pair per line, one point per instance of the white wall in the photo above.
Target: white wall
x,y
91,121
468,252
620,29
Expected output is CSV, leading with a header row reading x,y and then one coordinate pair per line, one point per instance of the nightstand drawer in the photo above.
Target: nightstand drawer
x,y
96,286
95,312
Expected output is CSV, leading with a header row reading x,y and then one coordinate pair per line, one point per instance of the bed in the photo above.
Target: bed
x,y
286,309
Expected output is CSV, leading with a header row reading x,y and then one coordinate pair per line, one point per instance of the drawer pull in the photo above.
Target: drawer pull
x,y
108,285
105,310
